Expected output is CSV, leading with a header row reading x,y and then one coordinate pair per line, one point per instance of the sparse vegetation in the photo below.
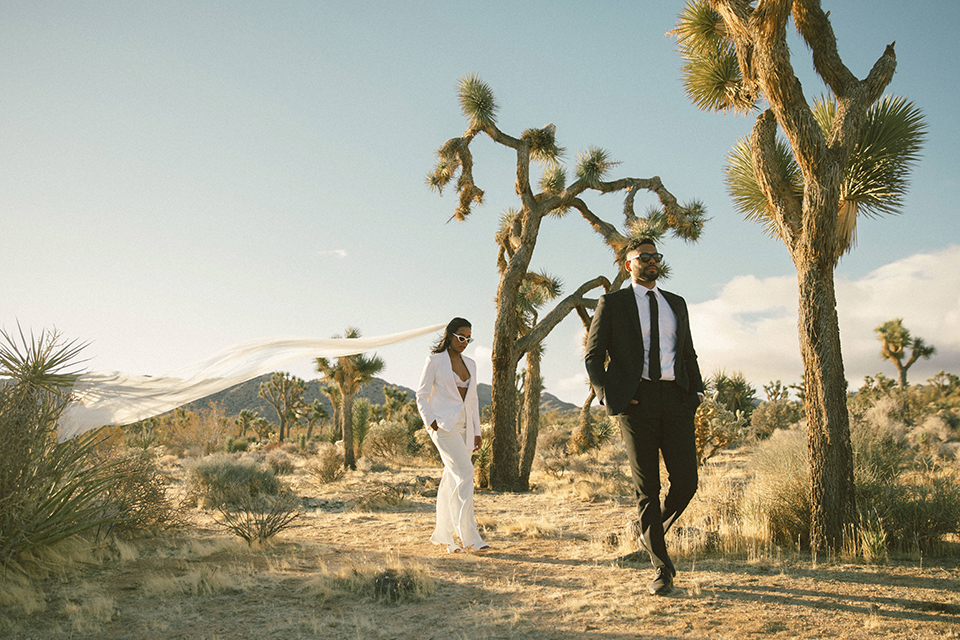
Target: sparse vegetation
x,y
327,465
751,514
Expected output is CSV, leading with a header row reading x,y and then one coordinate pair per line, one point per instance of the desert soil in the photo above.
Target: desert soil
x,y
552,574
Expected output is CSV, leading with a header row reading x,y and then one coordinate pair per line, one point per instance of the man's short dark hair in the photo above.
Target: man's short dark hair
x,y
634,244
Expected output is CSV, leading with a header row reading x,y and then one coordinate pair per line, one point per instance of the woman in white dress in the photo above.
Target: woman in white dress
x,y
447,401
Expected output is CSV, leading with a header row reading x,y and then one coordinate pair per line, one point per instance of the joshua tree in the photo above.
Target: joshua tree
x,y
895,340
333,394
843,155
517,239
349,373
244,421
314,413
284,392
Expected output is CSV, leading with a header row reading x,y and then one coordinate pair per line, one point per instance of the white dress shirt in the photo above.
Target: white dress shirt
x,y
668,331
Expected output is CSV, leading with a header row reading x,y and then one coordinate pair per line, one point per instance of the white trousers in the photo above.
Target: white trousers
x,y
455,494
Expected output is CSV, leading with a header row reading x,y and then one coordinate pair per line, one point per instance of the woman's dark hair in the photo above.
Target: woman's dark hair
x,y
452,327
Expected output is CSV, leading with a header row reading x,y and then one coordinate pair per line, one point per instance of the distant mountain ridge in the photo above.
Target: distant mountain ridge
x,y
247,396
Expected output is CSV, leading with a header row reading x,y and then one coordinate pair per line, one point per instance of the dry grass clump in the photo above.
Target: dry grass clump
x,y
524,527
777,499
381,496
201,581
327,465
88,608
393,581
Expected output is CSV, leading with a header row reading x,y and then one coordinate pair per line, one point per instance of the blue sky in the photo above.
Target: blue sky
x,y
179,177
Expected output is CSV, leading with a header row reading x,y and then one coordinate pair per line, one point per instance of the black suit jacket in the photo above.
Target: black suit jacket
x,y
615,332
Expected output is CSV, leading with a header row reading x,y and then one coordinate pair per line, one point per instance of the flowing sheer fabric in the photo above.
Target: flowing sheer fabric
x,y
110,397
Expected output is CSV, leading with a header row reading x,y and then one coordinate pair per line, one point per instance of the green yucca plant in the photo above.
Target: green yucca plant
x,y
49,490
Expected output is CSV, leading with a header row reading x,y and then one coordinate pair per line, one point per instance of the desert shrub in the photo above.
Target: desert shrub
x,y
930,436
236,445
732,392
426,448
49,490
716,427
141,435
138,500
327,465
221,479
553,461
772,415
280,462
204,431
879,449
885,415
388,439
259,518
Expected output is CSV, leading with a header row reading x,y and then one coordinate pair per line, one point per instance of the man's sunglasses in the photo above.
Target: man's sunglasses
x,y
647,257
462,339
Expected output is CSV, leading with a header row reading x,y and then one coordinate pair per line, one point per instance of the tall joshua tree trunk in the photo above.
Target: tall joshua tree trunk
x,y
828,431
532,383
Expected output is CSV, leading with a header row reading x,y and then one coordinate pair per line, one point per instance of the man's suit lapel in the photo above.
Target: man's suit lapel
x,y
630,302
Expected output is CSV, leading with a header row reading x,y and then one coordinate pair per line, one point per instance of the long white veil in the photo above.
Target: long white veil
x,y
110,397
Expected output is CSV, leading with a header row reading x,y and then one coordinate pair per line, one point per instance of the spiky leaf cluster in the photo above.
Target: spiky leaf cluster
x,y
687,221
748,198
553,179
543,143
877,176
536,290
477,101
447,165
593,165
875,179
711,72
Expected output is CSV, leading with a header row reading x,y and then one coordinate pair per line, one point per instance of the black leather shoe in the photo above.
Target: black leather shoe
x,y
662,583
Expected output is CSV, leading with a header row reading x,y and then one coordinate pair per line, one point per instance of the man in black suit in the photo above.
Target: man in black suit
x,y
654,399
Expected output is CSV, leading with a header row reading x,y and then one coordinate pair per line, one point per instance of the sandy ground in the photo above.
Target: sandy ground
x,y
552,574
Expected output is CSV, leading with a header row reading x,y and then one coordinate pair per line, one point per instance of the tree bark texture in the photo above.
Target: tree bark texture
x,y
532,383
832,492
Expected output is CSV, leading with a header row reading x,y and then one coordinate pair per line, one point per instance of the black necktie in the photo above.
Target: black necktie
x,y
654,336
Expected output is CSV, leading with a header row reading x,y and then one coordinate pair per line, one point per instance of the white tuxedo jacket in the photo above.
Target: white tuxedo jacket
x,y
439,399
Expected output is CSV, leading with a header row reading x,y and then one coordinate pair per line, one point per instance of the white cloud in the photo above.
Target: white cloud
x,y
752,325
340,253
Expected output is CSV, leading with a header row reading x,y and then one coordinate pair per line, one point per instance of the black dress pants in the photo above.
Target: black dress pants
x,y
661,422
